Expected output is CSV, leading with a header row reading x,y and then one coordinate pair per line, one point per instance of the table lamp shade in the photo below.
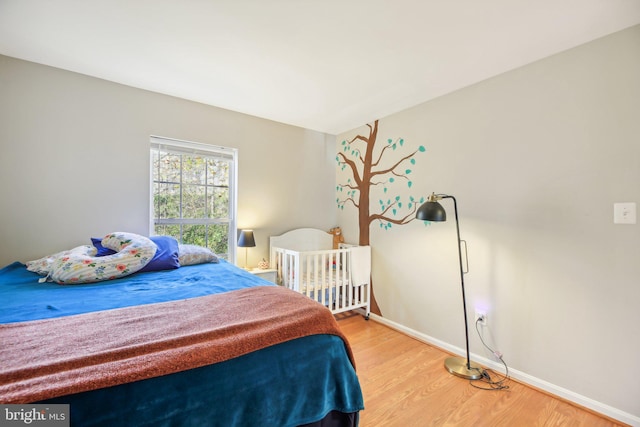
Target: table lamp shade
x,y
246,239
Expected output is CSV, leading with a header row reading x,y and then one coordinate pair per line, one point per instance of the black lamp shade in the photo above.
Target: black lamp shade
x,y
246,240
431,211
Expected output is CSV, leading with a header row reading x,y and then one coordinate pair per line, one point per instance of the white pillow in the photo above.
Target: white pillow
x,y
194,254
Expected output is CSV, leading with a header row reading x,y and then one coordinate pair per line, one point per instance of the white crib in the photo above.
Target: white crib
x,y
337,278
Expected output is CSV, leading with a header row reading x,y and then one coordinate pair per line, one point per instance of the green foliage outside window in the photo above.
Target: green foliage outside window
x,y
191,199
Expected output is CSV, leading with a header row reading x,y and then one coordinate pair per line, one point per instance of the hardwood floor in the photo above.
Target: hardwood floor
x,y
405,384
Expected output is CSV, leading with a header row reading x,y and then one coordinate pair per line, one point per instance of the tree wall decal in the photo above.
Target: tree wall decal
x,y
368,168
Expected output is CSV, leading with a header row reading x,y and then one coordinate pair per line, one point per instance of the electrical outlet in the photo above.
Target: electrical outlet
x,y
481,317
624,213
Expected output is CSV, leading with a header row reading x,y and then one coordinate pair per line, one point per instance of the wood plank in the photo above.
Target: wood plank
x,y
405,384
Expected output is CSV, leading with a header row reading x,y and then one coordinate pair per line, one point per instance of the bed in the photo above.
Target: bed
x,y
307,262
200,345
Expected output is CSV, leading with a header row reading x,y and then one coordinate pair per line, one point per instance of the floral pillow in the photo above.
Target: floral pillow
x,y
166,257
43,265
80,265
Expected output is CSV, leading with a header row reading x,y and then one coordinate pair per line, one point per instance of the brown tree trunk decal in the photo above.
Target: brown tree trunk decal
x,y
367,172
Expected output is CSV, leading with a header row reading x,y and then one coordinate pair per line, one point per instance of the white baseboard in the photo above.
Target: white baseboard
x,y
523,377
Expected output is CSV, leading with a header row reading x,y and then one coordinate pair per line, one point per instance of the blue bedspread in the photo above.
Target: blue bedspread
x,y
288,384
23,298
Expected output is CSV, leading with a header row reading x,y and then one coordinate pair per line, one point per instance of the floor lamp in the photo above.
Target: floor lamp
x,y
246,240
431,210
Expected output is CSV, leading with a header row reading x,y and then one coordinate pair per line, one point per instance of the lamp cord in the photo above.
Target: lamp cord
x,y
486,380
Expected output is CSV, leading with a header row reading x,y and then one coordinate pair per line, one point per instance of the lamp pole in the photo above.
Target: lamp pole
x,y
464,299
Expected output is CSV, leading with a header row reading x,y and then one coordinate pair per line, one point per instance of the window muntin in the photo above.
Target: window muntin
x,y
193,194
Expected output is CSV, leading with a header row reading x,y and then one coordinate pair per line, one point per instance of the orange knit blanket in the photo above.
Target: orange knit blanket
x,y
55,357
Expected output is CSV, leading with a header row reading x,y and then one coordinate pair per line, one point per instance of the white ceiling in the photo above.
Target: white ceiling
x,y
327,65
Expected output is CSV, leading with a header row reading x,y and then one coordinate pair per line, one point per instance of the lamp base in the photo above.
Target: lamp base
x,y
458,367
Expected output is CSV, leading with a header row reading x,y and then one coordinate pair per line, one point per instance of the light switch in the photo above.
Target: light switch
x,y
624,213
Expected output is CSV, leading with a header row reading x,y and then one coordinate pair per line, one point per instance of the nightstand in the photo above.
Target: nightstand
x,y
267,273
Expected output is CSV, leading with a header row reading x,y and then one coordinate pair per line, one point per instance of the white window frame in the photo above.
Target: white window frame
x,y
196,148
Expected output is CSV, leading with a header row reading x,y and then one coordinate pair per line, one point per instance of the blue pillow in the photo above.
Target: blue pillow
x,y
102,251
166,257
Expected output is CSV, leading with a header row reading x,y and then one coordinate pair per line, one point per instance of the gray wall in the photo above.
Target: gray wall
x,y
74,161
536,158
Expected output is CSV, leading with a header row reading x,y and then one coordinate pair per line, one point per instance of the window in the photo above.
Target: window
x,y
193,194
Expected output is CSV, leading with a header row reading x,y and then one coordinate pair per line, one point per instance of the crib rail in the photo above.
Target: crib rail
x,y
324,276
